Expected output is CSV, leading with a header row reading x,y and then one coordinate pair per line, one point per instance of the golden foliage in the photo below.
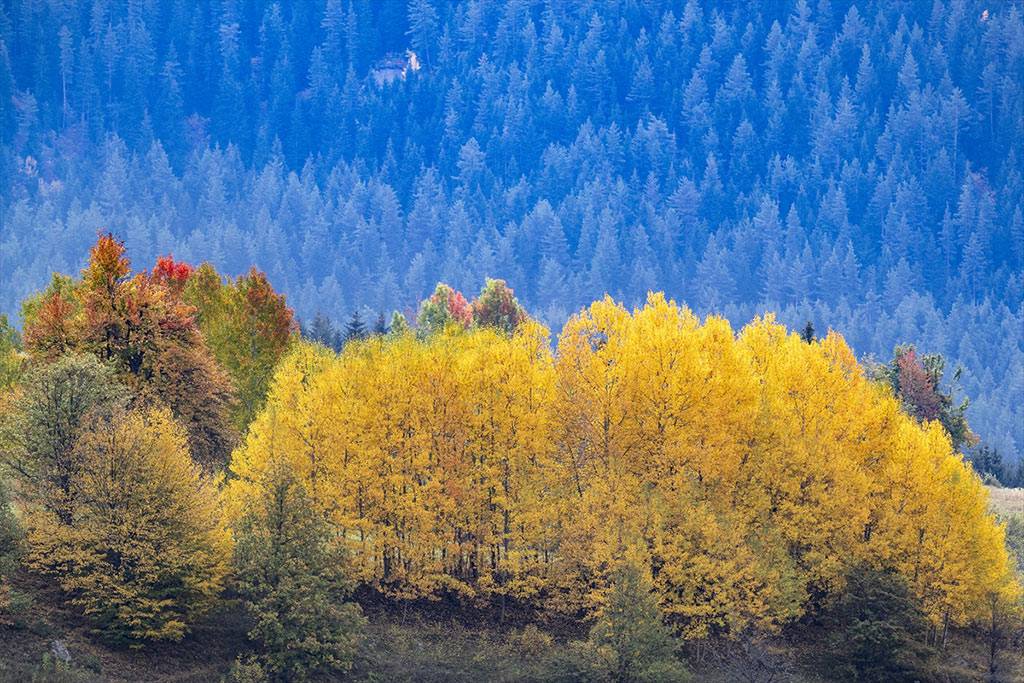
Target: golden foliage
x,y
747,472
146,550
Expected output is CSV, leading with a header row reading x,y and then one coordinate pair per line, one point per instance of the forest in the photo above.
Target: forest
x,y
855,164
511,340
174,446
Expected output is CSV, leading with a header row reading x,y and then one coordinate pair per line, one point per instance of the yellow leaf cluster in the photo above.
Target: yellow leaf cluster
x,y
145,550
747,471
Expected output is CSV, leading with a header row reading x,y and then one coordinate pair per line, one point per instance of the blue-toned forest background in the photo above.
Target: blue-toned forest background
x,y
858,165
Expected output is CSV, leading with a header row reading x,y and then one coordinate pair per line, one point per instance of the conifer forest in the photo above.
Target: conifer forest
x,y
511,340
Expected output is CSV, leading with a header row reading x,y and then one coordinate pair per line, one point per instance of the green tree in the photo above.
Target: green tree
x,y
10,545
11,362
399,325
877,629
807,333
355,328
146,552
248,327
630,635
41,422
291,573
988,462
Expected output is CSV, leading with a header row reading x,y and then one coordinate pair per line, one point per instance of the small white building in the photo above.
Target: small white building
x,y
394,67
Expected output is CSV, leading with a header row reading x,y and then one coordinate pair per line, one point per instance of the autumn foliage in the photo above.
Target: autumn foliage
x,y
496,307
247,325
178,336
144,552
748,472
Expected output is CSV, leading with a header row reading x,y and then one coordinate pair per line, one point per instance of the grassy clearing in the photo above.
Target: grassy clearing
x,y
1005,502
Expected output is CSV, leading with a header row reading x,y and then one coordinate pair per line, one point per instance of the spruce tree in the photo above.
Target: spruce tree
x,y
322,330
291,573
355,328
807,334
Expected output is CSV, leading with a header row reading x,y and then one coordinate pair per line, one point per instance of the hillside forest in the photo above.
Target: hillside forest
x,y
174,445
855,164
511,340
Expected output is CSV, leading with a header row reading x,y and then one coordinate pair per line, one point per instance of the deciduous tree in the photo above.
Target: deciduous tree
x,y
145,552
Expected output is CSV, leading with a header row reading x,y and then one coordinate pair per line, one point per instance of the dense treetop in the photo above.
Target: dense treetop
x,y
855,164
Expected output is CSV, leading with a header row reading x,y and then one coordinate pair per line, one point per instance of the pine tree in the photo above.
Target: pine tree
x,y
877,630
807,334
355,328
291,573
380,327
422,27
322,331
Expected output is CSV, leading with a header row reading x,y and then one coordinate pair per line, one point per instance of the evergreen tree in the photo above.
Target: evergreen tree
x,y
380,327
322,330
807,334
291,572
355,328
877,630
630,634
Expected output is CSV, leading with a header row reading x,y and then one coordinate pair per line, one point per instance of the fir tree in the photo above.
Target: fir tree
x,y
807,334
380,327
630,634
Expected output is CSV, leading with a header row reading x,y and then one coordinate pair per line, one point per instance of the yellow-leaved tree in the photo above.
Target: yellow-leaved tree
x,y
749,472
143,550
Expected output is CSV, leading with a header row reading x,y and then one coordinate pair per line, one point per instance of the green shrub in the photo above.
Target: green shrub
x,y
245,670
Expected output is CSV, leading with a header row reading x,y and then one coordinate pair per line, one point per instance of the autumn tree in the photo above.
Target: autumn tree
x,y
247,325
49,318
145,552
291,573
446,306
916,382
140,326
41,422
498,307
746,471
